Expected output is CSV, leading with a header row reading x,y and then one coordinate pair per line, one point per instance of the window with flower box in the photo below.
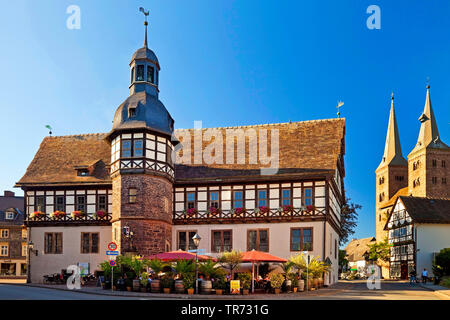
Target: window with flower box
x,y
60,204
101,202
286,197
307,196
80,204
39,204
238,201
214,199
262,198
190,200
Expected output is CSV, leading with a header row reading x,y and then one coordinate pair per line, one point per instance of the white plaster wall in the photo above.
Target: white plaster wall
x,y
279,239
43,264
430,238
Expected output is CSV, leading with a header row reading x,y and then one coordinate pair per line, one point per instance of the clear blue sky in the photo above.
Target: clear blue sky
x,y
227,63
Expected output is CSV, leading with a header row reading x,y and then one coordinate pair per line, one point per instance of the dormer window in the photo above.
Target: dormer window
x,y
140,73
132,75
131,112
150,74
9,215
83,172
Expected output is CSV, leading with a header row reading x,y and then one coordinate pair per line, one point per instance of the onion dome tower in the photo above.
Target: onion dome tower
x,y
142,171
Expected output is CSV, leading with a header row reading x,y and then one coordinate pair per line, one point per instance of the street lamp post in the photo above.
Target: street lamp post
x,y
30,248
196,238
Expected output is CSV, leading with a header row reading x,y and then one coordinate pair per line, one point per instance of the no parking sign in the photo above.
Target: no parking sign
x,y
112,263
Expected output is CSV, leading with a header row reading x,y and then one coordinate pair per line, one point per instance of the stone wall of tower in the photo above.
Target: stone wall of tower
x,y
390,186
150,217
421,168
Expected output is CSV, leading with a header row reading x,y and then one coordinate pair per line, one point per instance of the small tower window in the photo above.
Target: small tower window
x,y
131,112
83,173
443,163
434,180
140,73
132,75
150,74
434,163
132,195
126,148
138,148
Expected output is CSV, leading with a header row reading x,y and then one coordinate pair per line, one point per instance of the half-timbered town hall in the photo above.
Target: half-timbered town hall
x,y
273,187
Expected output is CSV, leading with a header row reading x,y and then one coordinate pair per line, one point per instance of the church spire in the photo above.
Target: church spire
x,y
392,149
428,134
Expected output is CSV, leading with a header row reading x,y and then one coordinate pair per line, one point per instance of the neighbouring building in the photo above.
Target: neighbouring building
x,y
357,255
418,229
13,238
82,191
423,178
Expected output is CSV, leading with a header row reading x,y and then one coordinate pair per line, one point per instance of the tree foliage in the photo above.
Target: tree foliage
x,y
343,262
230,260
379,251
442,260
349,218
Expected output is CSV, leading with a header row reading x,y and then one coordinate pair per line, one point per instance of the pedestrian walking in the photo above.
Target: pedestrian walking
x,y
424,275
412,277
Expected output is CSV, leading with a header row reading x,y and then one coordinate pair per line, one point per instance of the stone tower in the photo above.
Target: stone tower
x,y
142,171
429,161
391,174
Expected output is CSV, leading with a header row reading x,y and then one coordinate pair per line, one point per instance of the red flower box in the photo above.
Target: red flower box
x,y
192,211
264,209
288,208
100,213
239,211
214,211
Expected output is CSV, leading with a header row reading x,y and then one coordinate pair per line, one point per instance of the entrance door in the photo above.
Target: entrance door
x,y
404,270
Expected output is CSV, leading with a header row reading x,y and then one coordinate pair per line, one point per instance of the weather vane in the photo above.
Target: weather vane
x,y
339,105
50,130
146,13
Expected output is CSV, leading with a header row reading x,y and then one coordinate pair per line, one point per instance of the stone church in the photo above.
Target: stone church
x,y
147,186
413,196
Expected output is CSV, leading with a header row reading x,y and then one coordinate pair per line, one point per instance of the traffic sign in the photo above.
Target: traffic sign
x,y
112,246
197,250
112,253
112,263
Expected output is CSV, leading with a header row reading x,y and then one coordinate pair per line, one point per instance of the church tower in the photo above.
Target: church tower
x,y
429,161
142,171
391,174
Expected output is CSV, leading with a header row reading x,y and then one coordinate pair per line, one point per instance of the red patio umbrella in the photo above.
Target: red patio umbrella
x,y
259,256
179,255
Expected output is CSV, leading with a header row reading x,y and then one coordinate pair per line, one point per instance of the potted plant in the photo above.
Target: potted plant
x,y
156,265
77,214
182,267
310,208
99,214
276,281
144,281
288,209
37,214
191,212
239,211
208,269
167,283
294,281
299,263
264,210
213,211
287,267
219,284
245,279
189,281
57,214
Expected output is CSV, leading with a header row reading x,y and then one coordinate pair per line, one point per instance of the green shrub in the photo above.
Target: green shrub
x,y
219,283
276,280
245,278
189,280
293,278
167,282
445,282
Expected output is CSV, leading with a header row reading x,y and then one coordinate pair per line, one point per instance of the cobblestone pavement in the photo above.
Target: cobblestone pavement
x,y
344,290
